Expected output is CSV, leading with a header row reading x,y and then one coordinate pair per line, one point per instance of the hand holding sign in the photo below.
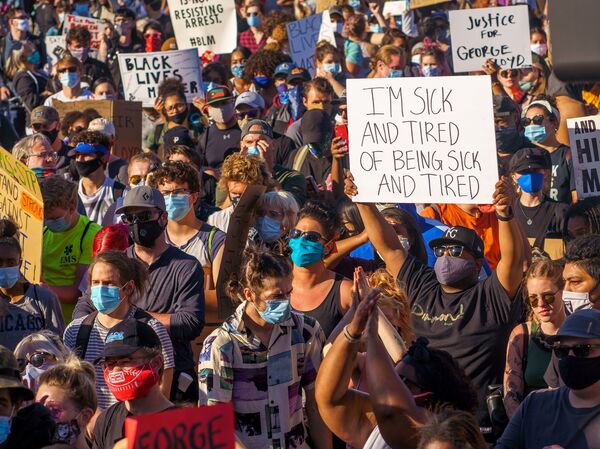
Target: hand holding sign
x,y
504,197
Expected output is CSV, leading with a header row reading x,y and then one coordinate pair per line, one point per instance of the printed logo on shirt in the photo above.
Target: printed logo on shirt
x,y
116,336
447,319
21,322
68,258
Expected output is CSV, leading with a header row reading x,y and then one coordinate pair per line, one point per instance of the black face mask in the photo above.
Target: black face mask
x,y
578,372
178,118
86,168
145,233
51,135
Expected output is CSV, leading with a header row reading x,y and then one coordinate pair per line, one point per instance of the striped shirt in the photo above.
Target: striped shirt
x,y
96,345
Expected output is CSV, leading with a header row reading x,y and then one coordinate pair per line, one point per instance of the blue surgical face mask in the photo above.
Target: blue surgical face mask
x,y
105,299
4,428
283,94
268,229
57,224
262,81
9,276
536,133
334,68
178,206
431,71
305,252
253,151
69,79
531,182
253,21
276,312
82,9
355,4
375,28
34,58
395,73
238,69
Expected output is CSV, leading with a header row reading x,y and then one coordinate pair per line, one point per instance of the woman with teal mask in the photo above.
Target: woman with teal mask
x,y
540,120
318,291
115,280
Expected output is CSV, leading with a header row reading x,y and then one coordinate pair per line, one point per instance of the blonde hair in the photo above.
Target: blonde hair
x,y
246,169
77,378
58,192
384,54
284,201
395,298
16,61
44,341
543,268
22,149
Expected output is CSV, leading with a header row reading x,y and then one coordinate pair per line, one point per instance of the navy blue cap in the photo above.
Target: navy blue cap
x,y
127,337
581,324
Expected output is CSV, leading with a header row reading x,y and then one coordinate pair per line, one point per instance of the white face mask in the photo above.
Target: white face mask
x,y
21,24
221,114
575,301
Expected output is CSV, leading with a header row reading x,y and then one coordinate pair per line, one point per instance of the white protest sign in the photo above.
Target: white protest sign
x,y
394,8
422,140
501,34
303,36
143,72
205,25
584,135
96,28
55,47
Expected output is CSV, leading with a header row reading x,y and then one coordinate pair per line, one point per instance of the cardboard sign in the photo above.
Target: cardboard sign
x,y
414,4
142,73
395,8
235,243
209,427
303,36
584,135
55,47
21,201
96,28
422,140
206,25
125,115
501,34
324,5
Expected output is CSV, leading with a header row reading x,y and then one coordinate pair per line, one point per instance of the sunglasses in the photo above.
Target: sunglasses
x,y
311,236
453,250
134,180
547,297
140,217
253,113
67,69
509,73
536,119
581,351
37,359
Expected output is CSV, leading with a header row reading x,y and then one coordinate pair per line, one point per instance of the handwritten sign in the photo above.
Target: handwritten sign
x,y
422,140
324,5
394,8
55,47
208,427
414,4
21,201
303,36
501,34
206,25
143,72
96,28
584,135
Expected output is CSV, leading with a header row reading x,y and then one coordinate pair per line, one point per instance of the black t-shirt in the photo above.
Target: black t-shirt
x,y
284,146
45,17
472,326
317,167
109,427
213,143
563,181
532,219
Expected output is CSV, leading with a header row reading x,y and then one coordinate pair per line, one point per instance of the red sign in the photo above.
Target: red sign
x,y
209,427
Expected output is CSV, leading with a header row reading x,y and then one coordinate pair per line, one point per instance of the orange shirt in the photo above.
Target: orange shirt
x,y
484,224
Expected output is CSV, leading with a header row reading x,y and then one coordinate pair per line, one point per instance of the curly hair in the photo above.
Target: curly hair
x,y
264,61
459,429
355,26
588,209
395,298
171,87
69,119
274,20
584,253
176,171
246,169
436,371
324,214
257,265
79,34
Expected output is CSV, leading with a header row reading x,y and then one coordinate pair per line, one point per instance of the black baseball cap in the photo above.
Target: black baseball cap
x,y
527,159
504,106
127,337
179,135
315,126
581,324
459,235
298,74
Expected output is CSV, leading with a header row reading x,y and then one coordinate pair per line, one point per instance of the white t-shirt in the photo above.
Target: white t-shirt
x,y
97,204
221,219
60,96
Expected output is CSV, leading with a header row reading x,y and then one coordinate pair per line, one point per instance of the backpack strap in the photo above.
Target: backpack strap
x,y
83,334
212,233
142,315
525,346
85,230
300,158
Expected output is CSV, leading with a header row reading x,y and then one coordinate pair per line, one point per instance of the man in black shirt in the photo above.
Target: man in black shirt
x,y
469,319
133,365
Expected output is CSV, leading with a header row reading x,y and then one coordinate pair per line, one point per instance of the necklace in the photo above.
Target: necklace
x,y
529,219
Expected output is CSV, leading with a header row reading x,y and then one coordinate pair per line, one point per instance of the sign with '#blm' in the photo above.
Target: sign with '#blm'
x,y
422,140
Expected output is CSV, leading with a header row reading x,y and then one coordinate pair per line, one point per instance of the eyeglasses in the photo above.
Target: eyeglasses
x,y
252,113
509,73
37,359
311,236
453,250
134,180
536,119
581,351
155,35
140,217
175,107
175,192
67,69
37,127
547,297
45,155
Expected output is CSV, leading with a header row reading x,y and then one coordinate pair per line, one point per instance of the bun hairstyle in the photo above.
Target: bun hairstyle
x,y
77,377
257,265
9,234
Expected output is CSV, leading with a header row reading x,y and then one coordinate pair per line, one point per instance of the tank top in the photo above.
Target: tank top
x,y
328,313
375,440
538,359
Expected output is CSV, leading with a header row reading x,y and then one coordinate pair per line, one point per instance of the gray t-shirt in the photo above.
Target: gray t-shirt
x,y
96,345
97,204
38,309
202,246
546,418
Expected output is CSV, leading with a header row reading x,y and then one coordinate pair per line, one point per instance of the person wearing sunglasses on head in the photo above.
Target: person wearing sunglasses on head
x,y
528,355
69,71
540,119
569,416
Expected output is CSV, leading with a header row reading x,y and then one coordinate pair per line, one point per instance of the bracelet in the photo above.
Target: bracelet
x,y
501,218
349,337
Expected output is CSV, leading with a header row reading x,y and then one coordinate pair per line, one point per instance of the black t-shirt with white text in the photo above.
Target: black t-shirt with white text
x,y
563,180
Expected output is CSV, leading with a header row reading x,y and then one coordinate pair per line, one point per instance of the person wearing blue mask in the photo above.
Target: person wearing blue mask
x,y
328,63
116,280
540,120
388,62
288,106
69,71
281,356
78,40
81,8
318,292
540,217
276,214
432,62
254,37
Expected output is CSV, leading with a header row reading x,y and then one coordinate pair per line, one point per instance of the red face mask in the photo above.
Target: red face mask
x,y
131,383
153,41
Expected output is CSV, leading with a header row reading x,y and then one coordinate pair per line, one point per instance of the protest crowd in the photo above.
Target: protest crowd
x,y
296,224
